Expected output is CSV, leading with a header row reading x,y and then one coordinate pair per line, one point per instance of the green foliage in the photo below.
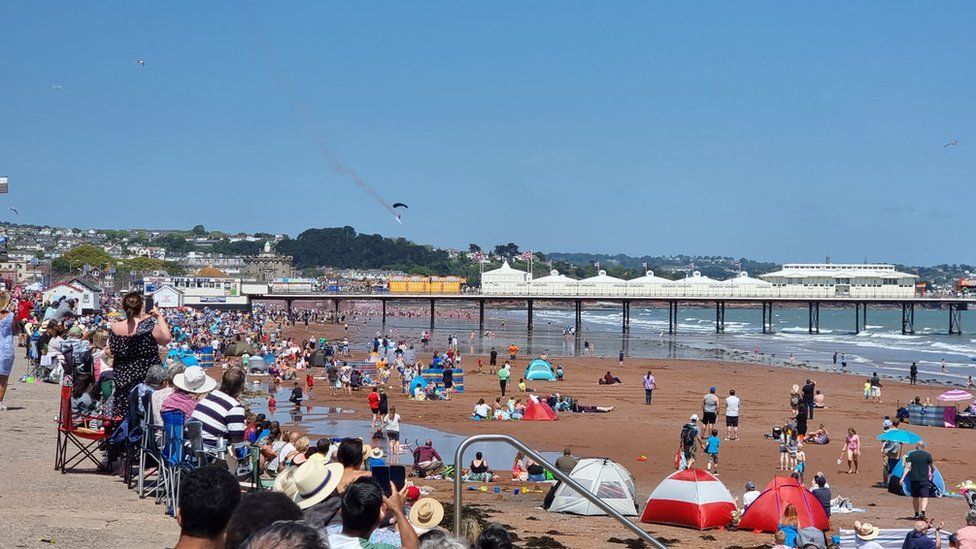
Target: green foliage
x,y
241,247
507,250
140,264
673,267
76,258
175,243
199,230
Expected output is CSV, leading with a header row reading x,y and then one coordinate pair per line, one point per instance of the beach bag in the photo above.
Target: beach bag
x,y
687,436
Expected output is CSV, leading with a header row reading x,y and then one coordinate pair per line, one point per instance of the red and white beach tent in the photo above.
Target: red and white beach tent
x,y
538,410
692,498
764,514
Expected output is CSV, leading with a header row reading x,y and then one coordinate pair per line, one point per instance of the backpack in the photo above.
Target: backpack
x,y
688,435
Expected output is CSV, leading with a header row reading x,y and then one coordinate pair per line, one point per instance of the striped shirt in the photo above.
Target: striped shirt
x,y
221,416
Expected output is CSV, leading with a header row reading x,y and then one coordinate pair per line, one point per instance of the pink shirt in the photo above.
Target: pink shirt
x,y
967,537
181,401
853,443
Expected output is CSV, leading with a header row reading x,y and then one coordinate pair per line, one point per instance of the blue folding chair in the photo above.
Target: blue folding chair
x,y
149,453
172,454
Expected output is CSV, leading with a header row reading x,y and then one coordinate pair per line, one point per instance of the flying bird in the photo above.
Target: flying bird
x,y
140,62
952,143
57,87
14,210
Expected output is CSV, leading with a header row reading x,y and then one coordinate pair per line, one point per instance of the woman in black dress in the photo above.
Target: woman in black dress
x,y
135,345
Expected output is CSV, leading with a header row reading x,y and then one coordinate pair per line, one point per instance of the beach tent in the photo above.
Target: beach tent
x,y
540,370
258,364
692,498
605,478
538,410
238,348
417,381
318,358
765,513
896,486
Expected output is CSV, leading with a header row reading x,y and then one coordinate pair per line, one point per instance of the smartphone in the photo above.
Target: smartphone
x,y
398,475
149,304
381,474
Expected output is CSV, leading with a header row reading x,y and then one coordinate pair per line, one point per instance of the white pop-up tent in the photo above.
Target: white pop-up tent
x,y
610,481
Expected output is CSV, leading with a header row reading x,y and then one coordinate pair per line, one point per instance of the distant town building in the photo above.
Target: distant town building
x,y
267,266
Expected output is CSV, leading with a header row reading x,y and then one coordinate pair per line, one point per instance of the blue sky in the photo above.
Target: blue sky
x,y
757,129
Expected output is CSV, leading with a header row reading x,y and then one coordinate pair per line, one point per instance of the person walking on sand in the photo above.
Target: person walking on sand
x,y
503,373
876,388
620,359
649,385
492,361
7,329
913,374
919,471
852,449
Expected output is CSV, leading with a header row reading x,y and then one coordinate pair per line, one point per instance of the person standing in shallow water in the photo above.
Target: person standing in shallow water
x,y
135,342
913,373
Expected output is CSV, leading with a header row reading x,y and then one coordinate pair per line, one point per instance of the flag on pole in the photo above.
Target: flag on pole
x,y
3,184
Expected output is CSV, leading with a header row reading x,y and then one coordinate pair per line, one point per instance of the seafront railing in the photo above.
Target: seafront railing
x,y
563,477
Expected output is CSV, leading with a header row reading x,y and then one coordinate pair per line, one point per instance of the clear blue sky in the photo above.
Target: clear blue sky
x,y
754,129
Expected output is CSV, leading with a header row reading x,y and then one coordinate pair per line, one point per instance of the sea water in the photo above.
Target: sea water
x,y
879,347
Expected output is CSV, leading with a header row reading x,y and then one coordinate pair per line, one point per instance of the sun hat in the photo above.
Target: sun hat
x,y
315,481
796,388
866,531
694,417
367,449
427,513
285,483
376,453
75,331
195,380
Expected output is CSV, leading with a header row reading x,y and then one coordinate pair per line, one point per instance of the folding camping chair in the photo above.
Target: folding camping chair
x,y
172,454
149,454
86,441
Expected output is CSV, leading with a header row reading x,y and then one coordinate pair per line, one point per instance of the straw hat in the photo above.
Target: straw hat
x,y
866,531
194,380
427,513
376,453
285,483
367,450
315,481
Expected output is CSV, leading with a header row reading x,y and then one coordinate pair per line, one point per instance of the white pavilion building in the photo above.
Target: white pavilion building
x,y
648,285
841,280
504,281
603,285
554,284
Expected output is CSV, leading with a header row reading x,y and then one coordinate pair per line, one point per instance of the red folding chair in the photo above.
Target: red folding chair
x,y
84,442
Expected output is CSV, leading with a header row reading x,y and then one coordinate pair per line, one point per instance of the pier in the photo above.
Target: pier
x,y
953,305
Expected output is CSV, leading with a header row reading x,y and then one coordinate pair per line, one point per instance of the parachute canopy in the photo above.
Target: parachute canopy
x,y
400,205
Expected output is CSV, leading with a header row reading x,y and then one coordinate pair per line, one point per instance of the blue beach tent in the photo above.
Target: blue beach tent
x,y
904,488
418,381
540,370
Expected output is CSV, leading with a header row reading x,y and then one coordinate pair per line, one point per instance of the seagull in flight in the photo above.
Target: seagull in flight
x,y
57,87
140,62
952,143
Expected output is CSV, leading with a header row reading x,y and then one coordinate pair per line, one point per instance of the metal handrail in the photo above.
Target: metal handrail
x,y
516,443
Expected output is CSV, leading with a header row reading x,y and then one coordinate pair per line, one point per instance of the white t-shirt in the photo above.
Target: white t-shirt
x,y
392,423
339,540
482,410
732,406
749,497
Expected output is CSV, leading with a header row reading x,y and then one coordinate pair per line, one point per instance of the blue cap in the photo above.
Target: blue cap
x,y
711,389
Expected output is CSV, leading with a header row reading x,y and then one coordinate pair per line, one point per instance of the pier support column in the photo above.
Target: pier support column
x,y
719,317
481,317
335,311
767,327
579,316
907,318
814,316
383,301
857,318
432,315
529,303
672,317
626,317
955,319
288,303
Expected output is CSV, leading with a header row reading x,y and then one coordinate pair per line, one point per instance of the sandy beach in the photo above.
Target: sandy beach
x,y
634,429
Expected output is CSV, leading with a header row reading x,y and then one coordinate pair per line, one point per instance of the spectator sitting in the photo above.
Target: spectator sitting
x,y
481,410
818,400
286,534
822,493
562,404
83,397
426,460
256,511
375,458
208,498
363,509
322,447
750,495
163,393
820,436
559,372
479,470
189,386
609,379
220,412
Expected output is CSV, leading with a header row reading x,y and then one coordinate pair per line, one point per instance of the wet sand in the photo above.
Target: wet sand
x,y
634,429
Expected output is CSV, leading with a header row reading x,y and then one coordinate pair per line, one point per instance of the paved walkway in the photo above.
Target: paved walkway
x,y
40,506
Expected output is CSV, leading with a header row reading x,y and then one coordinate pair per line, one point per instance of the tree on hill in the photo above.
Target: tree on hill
x,y
509,250
199,230
76,258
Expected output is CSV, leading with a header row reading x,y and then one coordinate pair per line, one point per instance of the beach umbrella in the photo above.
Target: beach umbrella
x,y
956,395
900,435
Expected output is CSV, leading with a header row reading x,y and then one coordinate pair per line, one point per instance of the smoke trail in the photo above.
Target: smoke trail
x,y
305,111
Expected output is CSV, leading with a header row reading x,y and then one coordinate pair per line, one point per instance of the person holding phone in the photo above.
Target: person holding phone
x,y
134,342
